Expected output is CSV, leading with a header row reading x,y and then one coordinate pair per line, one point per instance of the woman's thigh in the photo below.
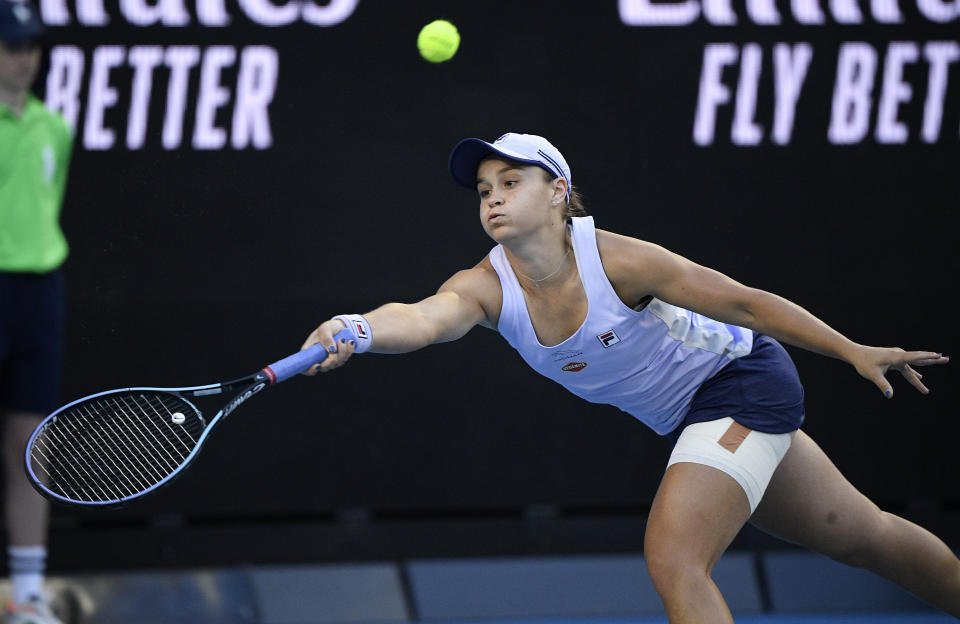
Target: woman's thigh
x,y
809,502
697,512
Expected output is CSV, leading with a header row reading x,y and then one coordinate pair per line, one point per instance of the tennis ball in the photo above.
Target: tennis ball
x,y
438,41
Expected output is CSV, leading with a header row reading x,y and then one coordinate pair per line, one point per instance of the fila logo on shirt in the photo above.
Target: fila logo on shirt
x,y
608,338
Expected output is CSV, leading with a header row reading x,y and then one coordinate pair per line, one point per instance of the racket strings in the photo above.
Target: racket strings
x,y
115,446
150,454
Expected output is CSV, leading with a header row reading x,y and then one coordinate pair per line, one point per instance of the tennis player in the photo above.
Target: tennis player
x,y
686,350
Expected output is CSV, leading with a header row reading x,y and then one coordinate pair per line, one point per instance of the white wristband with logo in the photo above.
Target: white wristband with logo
x,y
360,328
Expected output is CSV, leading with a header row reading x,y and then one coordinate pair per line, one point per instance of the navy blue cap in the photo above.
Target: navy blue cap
x,y
20,21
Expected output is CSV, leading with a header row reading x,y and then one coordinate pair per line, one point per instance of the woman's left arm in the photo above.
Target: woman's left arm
x,y
638,268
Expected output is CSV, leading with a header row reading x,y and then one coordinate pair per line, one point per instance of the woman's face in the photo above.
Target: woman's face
x,y
514,198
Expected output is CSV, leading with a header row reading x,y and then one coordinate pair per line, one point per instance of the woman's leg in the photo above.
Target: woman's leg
x,y
696,513
810,503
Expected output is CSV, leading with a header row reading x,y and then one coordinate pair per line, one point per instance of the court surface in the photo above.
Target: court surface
x,y
807,618
382,593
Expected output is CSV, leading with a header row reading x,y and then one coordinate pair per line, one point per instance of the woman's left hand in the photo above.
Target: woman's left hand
x,y
874,362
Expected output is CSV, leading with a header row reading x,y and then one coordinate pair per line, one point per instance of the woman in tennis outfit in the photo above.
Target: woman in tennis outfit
x,y
684,349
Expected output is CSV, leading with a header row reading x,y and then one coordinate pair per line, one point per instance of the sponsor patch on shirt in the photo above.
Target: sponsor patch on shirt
x,y
573,367
608,338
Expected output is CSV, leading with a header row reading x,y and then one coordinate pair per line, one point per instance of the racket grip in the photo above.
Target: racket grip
x,y
293,365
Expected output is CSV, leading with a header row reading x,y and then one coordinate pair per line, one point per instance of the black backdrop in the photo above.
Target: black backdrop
x,y
193,265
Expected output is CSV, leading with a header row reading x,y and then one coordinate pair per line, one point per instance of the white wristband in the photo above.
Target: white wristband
x,y
360,329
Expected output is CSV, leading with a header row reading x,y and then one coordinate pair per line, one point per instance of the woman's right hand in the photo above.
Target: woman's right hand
x,y
337,354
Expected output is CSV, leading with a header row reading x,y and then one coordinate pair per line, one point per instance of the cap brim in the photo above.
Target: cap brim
x,y
467,155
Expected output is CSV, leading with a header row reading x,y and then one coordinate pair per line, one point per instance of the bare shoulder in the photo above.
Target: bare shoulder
x,y
618,244
481,284
632,265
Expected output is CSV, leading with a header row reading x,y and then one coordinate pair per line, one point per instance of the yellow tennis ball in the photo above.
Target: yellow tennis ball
x,y
438,41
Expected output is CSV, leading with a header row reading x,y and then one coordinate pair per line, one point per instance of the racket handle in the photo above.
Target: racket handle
x,y
293,365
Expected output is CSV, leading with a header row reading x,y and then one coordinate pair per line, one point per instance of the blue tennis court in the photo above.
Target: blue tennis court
x,y
876,617
796,588
811,618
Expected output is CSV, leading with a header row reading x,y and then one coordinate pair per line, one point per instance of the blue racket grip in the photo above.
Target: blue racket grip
x,y
293,365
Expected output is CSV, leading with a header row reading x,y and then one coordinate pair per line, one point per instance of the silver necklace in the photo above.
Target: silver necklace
x,y
536,282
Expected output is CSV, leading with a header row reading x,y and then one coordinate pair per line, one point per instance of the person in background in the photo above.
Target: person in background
x,y
35,148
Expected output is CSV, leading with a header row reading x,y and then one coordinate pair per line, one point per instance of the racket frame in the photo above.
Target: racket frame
x,y
281,370
251,385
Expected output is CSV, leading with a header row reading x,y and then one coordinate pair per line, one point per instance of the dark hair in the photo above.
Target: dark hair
x,y
574,205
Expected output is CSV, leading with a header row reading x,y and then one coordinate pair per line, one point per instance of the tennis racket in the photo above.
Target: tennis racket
x,y
112,447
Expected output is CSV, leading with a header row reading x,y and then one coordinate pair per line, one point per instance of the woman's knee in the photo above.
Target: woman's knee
x,y
673,567
857,542
677,581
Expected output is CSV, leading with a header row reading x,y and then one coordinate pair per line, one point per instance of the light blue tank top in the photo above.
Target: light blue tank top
x,y
648,363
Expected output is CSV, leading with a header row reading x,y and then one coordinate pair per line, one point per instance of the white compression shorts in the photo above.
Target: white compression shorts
x,y
750,457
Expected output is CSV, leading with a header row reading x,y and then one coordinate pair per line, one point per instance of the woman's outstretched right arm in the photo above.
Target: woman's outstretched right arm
x,y
461,303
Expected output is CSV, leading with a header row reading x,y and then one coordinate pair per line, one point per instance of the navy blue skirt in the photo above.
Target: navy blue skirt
x,y
761,391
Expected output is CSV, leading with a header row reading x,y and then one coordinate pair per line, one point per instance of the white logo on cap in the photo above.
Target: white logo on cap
x,y
22,13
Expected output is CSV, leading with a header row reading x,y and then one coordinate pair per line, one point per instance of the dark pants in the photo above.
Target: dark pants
x,y
32,310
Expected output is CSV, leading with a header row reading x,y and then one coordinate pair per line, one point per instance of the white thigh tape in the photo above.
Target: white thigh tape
x,y
750,457
360,329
